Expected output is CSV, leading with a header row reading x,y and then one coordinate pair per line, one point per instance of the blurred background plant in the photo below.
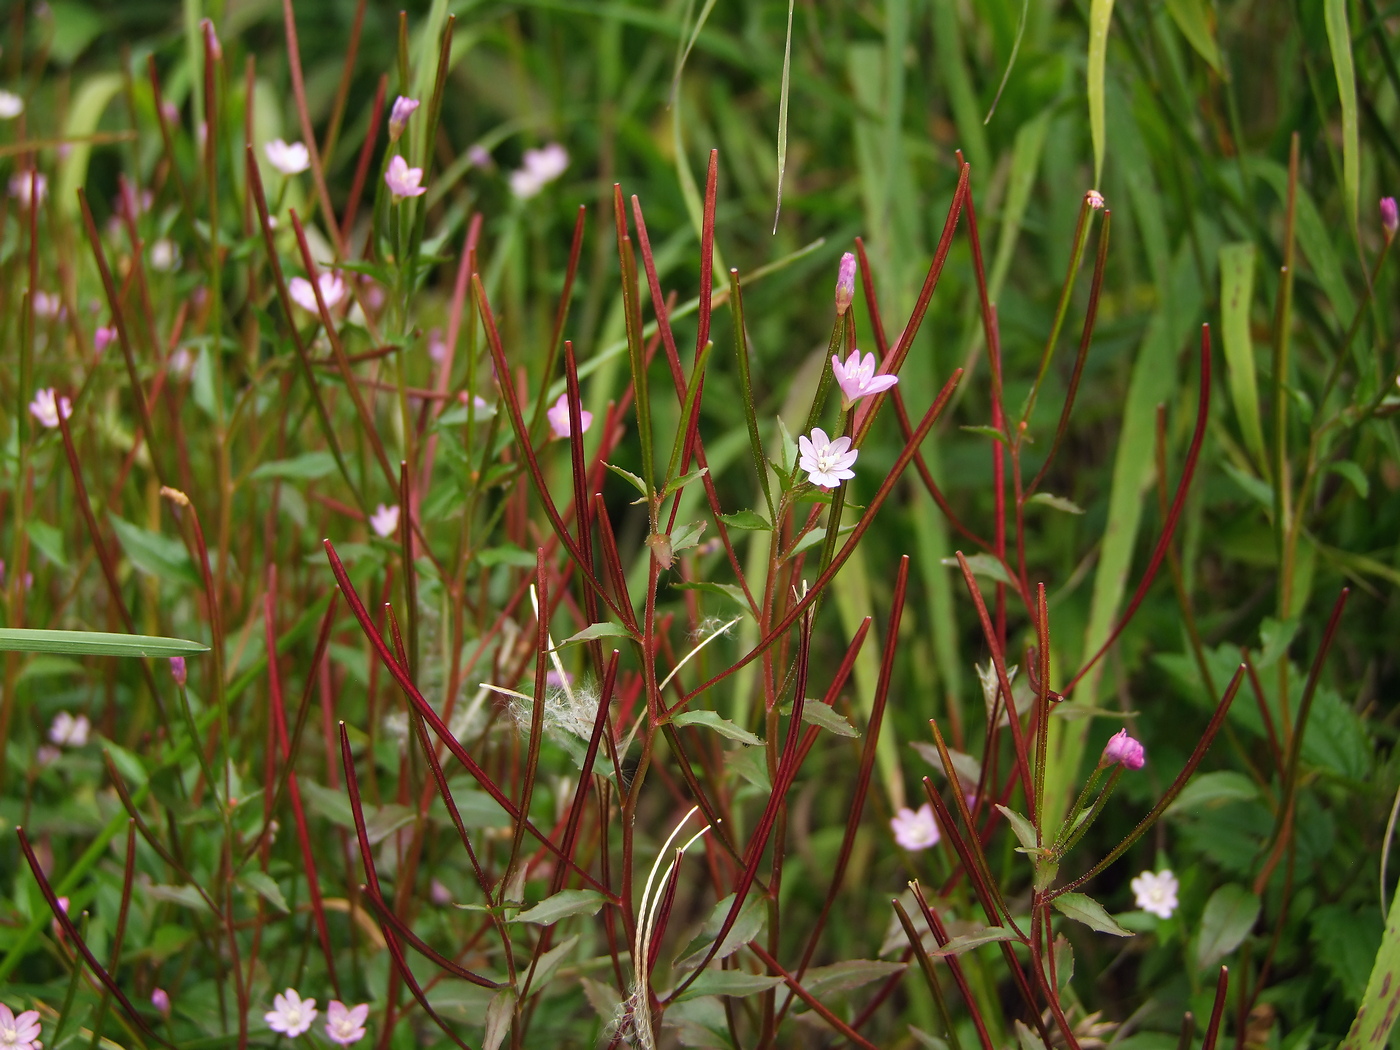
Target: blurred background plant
x,y
225,418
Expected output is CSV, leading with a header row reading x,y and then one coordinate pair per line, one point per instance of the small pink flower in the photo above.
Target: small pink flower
x,y
915,828
1156,892
857,378
1094,199
1123,748
480,156
47,405
289,158
1390,217
216,50
160,999
439,894
559,417
29,185
402,180
385,520
102,338
399,114
539,168
48,305
19,1033
178,670
291,1014
345,1025
827,462
68,731
332,291
845,283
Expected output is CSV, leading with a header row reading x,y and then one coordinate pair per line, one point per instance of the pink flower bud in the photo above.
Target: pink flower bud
x,y
1390,217
845,283
177,670
1123,748
161,1001
398,116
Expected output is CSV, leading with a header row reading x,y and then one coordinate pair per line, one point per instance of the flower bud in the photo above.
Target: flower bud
x,y
398,116
161,1001
177,670
1123,748
845,283
1390,217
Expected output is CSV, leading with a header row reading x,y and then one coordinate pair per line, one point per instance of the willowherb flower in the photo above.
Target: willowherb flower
x,y
1390,217
439,894
480,156
290,158
27,184
332,291
11,105
845,283
48,305
46,406
915,828
398,116
345,1024
102,338
178,670
160,999
67,731
857,378
19,1033
1123,748
827,462
291,1014
385,520
559,417
165,255
1094,199
539,167
1156,892
402,180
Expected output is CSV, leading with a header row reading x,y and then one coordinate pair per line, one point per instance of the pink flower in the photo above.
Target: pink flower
x,y
178,671
439,894
1156,892
539,168
1390,217
332,291
47,405
1123,748
559,417
19,1033
345,1025
291,1014
161,1001
385,520
845,283
68,731
402,180
827,462
857,378
479,156
915,828
27,185
1094,199
102,338
288,158
399,114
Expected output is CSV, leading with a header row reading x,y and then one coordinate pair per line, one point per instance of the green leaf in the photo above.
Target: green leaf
x,y
1229,916
1193,20
1058,502
330,805
85,110
305,467
1339,40
687,536
818,714
1236,294
48,539
727,590
498,1017
128,764
562,905
75,26
783,115
154,554
968,769
844,976
383,821
984,565
508,554
685,479
596,630
968,941
1381,1004
632,479
745,519
94,643
1083,908
261,883
1024,829
992,432
551,960
1209,790
186,896
1346,468
1100,14
747,925
729,982
721,725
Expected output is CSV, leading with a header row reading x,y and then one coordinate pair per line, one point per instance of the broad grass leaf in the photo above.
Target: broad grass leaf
x,y
94,643
1229,916
1100,15
1339,41
1236,295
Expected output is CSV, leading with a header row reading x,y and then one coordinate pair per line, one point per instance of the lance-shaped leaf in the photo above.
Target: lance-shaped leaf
x,y
968,941
561,906
1083,908
94,643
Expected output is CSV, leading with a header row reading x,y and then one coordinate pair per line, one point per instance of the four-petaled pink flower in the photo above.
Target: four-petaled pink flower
x,y
385,520
559,417
67,731
1094,199
1156,892
827,462
332,291
19,1033
857,378
47,405
345,1024
845,283
290,158
399,114
291,1014
1123,748
915,828
1390,217
402,180
539,168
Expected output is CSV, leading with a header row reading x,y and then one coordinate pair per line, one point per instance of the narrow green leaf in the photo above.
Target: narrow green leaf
x,y
844,976
721,725
1058,502
1100,15
596,630
261,883
94,643
48,539
984,565
1236,291
1381,1004
562,905
305,467
684,480
632,479
783,115
1085,909
85,110
687,535
1354,474
968,941
507,554
992,432
818,714
726,590
1193,20
154,554
745,519
1339,40
498,1017
1209,790
1024,829
1229,916
728,982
